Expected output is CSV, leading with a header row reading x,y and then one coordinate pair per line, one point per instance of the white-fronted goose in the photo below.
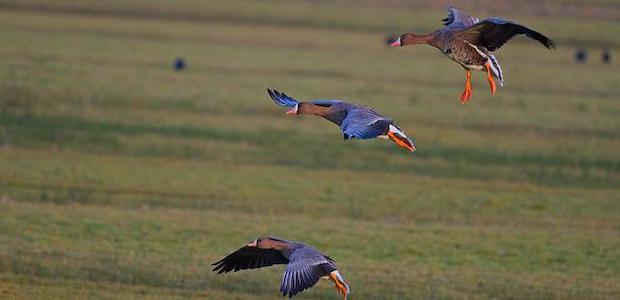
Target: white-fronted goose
x,y
304,264
355,121
468,41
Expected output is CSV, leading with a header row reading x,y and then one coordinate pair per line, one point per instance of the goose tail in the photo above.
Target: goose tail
x,y
397,136
497,70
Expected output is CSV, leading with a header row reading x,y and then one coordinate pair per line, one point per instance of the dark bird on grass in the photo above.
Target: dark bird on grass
x,y
355,121
304,264
179,64
606,57
581,55
468,41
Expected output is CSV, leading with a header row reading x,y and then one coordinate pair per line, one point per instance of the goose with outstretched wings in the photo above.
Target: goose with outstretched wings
x,y
355,121
304,264
469,41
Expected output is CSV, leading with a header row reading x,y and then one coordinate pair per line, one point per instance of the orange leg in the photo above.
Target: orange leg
x,y
467,92
490,78
339,286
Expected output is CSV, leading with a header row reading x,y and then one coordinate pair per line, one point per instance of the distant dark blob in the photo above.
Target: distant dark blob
x,y
581,55
179,64
606,56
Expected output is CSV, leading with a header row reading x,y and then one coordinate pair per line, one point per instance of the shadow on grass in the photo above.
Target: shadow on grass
x,y
61,265
288,148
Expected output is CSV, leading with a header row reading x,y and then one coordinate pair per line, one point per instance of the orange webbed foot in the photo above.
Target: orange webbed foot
x,y
490,79
467,92
465,96
339,285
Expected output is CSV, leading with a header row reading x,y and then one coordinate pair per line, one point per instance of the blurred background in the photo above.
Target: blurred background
x,y
138,145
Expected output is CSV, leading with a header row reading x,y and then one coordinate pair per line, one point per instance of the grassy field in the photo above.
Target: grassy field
x,y
122,179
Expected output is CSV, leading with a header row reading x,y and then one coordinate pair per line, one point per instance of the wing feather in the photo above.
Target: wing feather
x,y
304,270
458,19
493,33
325,102
249,258
364,125
282,99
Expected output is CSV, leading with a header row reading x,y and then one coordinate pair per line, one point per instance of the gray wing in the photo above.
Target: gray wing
x,y
457,19
306,266
364,123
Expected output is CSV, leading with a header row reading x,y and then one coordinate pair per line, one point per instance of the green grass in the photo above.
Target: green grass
x,y
121,179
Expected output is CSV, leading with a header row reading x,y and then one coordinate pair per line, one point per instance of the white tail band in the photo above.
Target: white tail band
x,y
497,70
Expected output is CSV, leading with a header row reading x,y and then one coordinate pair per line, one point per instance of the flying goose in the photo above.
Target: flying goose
x,y
468,41
355,121
304,264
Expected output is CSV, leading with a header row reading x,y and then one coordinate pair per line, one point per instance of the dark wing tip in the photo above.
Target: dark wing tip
x,y
219,267
281,98
520,29
451,15
547,42
219,263
449,19
222,266
550,44
275,96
